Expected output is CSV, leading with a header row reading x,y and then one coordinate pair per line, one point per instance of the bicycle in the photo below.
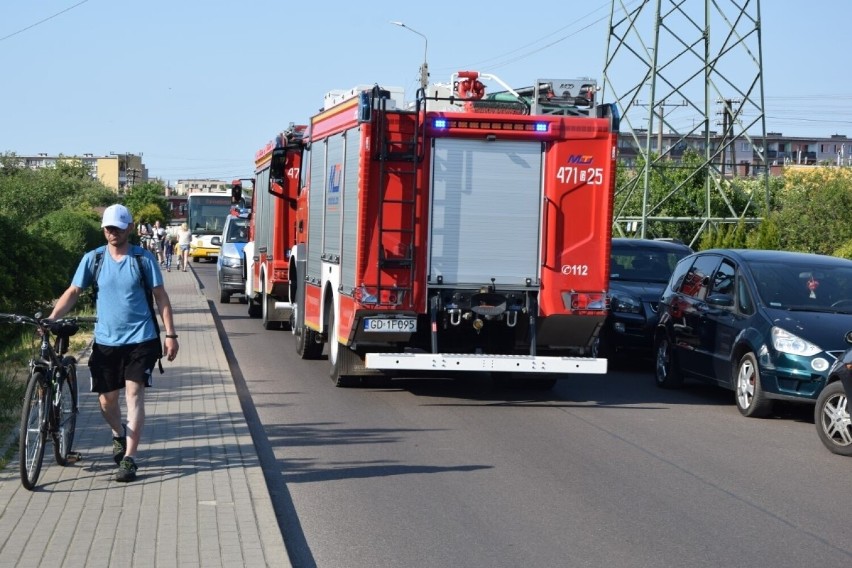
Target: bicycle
x,y
50,399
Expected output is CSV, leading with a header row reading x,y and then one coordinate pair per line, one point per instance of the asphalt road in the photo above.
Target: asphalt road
x,y
600,471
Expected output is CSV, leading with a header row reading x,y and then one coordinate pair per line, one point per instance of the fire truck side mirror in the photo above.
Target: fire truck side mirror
x,y
281,184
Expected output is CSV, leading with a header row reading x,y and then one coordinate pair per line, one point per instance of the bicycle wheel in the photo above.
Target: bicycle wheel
x,y
66,415
33,429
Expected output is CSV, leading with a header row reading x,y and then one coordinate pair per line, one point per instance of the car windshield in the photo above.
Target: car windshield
x,y
804,285
237,232
643,264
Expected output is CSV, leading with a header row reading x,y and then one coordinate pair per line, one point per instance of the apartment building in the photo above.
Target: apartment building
x,y
117,171
742,158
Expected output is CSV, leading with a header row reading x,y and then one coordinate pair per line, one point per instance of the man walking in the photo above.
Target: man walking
x,y
127,345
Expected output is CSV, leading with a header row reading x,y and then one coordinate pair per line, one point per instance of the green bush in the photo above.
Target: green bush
x,y
844,250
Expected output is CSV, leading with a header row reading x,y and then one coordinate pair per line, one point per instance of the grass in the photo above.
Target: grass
x,y
14,371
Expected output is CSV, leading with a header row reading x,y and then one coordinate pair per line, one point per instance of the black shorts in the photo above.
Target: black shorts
x,y
111,366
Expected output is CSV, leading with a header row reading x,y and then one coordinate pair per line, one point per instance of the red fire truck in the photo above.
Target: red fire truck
x,y
267,254
465,231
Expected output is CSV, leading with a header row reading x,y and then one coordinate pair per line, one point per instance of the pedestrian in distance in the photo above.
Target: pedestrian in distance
x,y
168,251
126,279
159,240
184,238
144,231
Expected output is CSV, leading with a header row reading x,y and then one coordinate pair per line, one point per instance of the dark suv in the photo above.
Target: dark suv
x,y
766,324
639,271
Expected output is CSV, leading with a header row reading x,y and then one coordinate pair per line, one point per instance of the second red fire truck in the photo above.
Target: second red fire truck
x,y
466,231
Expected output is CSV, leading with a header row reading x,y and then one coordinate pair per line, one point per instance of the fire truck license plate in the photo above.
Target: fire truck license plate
x,y
390,324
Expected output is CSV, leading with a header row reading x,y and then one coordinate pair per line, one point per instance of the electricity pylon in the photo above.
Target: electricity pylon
x,y
662,53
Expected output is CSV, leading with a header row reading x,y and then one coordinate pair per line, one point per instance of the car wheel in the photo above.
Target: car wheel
x,y
833,423
666,373
602,347
224,297
751,400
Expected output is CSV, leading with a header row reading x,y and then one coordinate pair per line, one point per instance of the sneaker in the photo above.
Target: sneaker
x,y
126,470
119,447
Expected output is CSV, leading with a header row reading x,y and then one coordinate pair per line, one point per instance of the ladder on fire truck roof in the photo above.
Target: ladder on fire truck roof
x,y
399,151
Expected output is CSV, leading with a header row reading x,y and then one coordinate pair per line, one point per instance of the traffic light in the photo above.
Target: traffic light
x,y
236,192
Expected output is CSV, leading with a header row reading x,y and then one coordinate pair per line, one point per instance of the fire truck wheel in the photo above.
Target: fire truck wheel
x,y
306,343
343,360
265,301
224,297
253,308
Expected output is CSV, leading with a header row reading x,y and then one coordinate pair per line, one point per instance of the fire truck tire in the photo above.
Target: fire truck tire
x,y
343,360
224,297
265,300
253,308
306,343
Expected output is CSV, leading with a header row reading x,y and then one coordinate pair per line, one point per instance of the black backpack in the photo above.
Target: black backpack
x,y
149,294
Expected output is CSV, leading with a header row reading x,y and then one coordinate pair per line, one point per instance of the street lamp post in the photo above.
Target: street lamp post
x,y
424,69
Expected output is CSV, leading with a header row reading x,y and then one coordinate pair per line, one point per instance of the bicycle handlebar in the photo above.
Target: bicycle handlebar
x,y
46,323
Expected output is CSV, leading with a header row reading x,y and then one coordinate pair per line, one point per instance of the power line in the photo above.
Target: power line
x,y
31,26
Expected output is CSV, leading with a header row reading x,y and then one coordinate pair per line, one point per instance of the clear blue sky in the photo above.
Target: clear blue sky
x,y
198,86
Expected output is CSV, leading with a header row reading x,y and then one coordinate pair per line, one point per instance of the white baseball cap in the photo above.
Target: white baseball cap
x,y
117,216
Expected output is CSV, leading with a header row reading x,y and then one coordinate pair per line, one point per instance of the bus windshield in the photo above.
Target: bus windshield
x,y
206,212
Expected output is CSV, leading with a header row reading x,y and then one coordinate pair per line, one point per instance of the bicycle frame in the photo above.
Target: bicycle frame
x,y
50,401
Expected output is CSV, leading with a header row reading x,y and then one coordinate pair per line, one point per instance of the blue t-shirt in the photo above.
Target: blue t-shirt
x,y
123,313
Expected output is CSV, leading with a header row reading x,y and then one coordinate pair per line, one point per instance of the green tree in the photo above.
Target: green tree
x,y
47,219
813,210
679,189
147,194
766,236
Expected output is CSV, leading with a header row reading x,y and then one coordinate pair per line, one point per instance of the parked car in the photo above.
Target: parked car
x,y
639,271
766,324
229,264
831,414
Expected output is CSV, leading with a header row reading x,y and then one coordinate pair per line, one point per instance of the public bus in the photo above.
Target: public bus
x,y
205,217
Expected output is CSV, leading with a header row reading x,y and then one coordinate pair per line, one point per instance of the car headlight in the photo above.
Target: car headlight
x,y
625,304
786,342
232,261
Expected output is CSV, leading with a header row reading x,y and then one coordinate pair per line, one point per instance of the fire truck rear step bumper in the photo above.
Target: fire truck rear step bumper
x,y
492,363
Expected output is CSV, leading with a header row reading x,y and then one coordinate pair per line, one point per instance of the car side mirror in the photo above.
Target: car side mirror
x,y
216,241
720,300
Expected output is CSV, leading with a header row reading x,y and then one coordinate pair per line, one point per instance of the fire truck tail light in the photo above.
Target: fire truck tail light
x,y
371,295
586,301
367,295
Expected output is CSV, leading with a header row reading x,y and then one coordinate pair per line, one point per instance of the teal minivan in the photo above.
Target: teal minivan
x,y
766,324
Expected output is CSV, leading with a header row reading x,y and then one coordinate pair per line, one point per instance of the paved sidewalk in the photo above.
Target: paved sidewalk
x,y
200,498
